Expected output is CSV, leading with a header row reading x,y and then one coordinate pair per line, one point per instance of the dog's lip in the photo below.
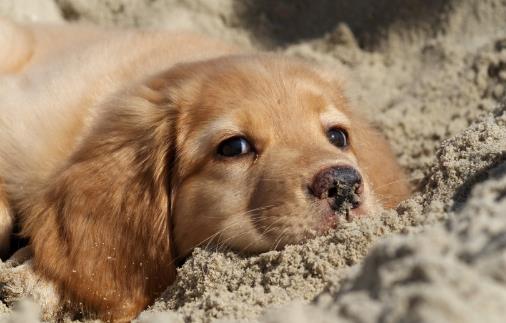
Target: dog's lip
x,y
331,218
329,222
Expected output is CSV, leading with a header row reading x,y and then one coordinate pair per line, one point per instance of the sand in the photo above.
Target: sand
x,y
432,76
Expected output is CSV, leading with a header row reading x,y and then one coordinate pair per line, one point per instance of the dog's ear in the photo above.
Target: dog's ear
x,y
101,227
375,157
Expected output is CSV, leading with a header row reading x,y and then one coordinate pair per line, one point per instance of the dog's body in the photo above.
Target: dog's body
x,y
117,158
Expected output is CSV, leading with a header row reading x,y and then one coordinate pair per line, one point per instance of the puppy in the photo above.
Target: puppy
x,y
120,151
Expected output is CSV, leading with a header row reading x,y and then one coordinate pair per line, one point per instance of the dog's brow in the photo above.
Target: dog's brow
x,y
332,116
221,126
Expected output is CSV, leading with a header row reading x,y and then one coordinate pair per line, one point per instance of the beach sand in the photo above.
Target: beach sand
x,y
432,76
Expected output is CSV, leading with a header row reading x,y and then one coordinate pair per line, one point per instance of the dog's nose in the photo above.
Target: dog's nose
x,y
339,184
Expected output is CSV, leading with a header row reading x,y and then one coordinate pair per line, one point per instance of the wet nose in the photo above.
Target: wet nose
x,y
338,183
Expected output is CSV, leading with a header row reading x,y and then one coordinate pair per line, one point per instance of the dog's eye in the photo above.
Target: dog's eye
x,y
338,137
234,146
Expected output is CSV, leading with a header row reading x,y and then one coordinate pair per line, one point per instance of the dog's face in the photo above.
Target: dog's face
x,y
269,153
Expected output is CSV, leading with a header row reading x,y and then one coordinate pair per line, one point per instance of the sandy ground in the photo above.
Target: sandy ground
x,y
432,75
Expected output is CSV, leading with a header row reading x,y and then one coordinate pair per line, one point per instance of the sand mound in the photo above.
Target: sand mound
x,y
433,77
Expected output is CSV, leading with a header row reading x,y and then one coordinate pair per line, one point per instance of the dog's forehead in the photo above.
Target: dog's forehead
x,y
277,90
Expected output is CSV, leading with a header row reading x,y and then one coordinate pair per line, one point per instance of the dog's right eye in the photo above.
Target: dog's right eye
x,y
233,147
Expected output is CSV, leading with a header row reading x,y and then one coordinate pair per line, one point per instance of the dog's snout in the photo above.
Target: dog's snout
x,y
333,182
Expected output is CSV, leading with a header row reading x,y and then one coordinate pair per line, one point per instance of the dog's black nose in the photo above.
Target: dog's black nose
x,y
339,184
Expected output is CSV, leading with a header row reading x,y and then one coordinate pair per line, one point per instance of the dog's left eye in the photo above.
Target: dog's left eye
x,y
338,137
234,146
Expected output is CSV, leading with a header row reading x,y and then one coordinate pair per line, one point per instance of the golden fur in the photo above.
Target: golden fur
x,y
108,155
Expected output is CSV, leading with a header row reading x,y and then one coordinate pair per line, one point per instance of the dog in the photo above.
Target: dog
x,y
121,151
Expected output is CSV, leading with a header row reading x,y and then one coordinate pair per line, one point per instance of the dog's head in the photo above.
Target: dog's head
x,y
269,152
249,152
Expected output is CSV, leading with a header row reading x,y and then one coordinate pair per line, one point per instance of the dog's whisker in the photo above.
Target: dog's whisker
x,y
271,226
281,236
238,220
396,181
222,242
220,232
267,230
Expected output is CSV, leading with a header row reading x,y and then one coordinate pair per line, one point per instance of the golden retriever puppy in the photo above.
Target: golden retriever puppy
x,y
120,151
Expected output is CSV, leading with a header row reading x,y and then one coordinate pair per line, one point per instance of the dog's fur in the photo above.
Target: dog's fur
x,y
108,154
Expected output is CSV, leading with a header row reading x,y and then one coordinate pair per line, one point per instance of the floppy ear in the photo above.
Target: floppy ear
x,y
101,227
375,157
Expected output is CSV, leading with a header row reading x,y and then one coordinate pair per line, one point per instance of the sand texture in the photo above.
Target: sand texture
x,y
432,76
